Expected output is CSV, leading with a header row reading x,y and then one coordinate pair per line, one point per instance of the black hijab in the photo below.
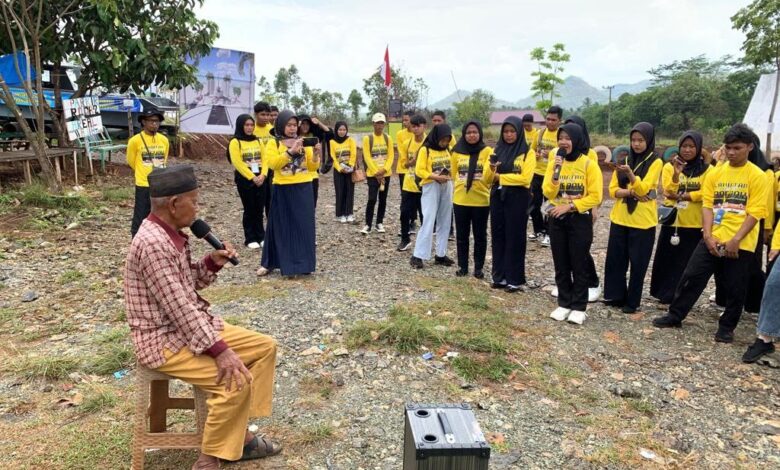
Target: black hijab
x,y
578,142
336,137
301,119
507,153
581,122
639,163
281,122
696,166
438,132
756,155
472,150
239,132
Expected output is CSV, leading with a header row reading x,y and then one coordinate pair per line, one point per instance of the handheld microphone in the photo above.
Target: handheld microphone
x,y
557,169
202,230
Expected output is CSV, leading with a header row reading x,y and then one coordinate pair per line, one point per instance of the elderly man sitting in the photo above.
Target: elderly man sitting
x,y
174,332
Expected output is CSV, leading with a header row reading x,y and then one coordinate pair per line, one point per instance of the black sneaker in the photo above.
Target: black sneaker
x,y
724,336
498,285
756,350
628,310
461,272
443,261
404,245
667,321
416,262
412,228
479,274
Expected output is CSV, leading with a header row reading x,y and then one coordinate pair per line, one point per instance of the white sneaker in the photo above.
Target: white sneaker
x,y
713,297
380,228
577,316
365,230
343,219
560,314
350,218
534,236
554,292
253,246
545,240
594,293
262,243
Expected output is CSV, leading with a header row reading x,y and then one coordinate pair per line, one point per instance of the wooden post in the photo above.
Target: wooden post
x,y
75,168
27,172
57,169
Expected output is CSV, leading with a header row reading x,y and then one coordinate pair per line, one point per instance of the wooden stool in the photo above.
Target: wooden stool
x,y
152,401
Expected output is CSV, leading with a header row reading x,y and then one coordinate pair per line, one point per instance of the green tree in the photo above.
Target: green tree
x,y
355,101
549,66
474,108
266,93
282,87
760,21
403,87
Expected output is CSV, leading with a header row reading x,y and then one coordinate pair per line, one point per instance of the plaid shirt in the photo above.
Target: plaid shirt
x,y
164,309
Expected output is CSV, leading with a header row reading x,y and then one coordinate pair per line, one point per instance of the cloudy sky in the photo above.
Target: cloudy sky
x,y
484,43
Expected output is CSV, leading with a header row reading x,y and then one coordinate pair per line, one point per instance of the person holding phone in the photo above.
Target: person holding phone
x,y
313,131
378,154
290,238
513,169
433,167
343,151
411,193
471,198
768,328
733,200
633,220
573,185
246,151
682,181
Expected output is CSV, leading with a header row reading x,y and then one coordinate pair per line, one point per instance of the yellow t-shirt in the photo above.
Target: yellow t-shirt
x,y
688,212
344,153
771,200
247,158
146,152
579,183
531,137
381,155
646,213
479,194
733,193
777,191
522,171
775,241
408,150
549,142
286,169
431,162
263,132
401,137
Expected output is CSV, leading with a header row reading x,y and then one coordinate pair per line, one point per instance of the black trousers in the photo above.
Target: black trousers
x,y
670,261
570,239
410,203
627,247
253,200
345,193
142,208
702,265
401,178
756,278
508,223
535,206
315,188
470,219
373,194
593,275
267,187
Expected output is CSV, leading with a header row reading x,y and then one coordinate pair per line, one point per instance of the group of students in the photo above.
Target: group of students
x,y
715,217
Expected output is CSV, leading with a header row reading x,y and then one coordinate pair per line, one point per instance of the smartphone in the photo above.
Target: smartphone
x,y
310,141
621,159
493,158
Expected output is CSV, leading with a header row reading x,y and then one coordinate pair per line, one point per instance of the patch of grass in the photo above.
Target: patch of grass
x,y
227,293
319,385
310,435
237,320
641,406
118,193
98,398
37,195
92,446
43,366
70,275
113,352
495,368
7,314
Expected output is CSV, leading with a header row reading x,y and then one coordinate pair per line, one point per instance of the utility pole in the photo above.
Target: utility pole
x,y
609,109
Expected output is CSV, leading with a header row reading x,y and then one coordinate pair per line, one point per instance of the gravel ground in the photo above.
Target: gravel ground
x,y
620,394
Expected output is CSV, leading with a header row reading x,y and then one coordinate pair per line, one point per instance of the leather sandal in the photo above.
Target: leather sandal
x,y
260,447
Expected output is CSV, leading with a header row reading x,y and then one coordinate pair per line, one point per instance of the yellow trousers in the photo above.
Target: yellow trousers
x,y
229,412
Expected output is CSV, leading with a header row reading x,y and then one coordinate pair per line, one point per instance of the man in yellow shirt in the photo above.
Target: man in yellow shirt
x,y
733,201
544,141
378,154
146,151
264,124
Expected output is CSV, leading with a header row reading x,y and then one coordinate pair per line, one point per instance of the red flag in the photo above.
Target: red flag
x,y
384,70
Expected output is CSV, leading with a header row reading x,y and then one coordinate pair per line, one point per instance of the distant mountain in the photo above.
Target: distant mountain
x,y
572,94
460,95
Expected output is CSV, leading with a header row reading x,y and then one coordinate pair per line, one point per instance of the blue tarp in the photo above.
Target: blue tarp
x,y
8,69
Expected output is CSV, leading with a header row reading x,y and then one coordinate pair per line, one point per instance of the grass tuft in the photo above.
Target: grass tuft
x,y
99,397
118,193
43,367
